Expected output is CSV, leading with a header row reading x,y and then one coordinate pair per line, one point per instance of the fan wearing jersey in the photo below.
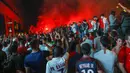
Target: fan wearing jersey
x,y
58,64
88,64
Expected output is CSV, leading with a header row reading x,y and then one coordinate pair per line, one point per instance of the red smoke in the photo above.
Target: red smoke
x,y
55,13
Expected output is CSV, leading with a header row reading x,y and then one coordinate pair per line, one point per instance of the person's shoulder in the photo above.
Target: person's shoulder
x,y
112,53
50,61
96,39
95,60
53,61
28,56
97,53
80,60
85,59
123,48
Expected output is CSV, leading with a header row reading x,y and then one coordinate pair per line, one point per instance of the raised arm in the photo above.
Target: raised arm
x,y
128,10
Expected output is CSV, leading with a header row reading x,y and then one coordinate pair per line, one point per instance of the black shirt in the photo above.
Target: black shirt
x,y
2,58
74,57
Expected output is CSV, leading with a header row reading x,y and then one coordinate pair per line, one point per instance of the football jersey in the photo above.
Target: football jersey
x,y
124,57
88,65
57,65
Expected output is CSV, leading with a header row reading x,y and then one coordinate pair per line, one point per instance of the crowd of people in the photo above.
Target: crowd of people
x,y
102,47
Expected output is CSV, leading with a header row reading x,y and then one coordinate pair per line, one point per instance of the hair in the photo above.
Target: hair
x,y
95,17
113,13
34,43
102,15
105,41
84,20
114,33
57,51
86,49
72,46
119,37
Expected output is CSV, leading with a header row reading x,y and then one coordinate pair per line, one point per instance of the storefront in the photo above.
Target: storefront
x,y
10,23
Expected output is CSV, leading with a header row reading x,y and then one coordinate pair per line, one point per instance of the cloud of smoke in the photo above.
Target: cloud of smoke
x,y
54,13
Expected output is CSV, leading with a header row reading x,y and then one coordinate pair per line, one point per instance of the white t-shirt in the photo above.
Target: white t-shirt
x,y
107,59
57,65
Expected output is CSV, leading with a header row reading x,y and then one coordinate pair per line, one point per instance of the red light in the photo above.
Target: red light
x,y
46,29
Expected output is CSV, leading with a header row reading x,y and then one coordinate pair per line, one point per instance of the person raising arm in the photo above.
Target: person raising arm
x,y
128,10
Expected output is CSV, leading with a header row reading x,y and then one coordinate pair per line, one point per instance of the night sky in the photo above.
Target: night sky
x,y
28,10
31,10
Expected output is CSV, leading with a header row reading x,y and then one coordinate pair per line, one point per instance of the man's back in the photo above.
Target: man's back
x,y
57,64
112,20
107,59
125,20
88,65
36,61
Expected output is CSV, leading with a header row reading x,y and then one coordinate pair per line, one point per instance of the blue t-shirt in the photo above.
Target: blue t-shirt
x,y
36,61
